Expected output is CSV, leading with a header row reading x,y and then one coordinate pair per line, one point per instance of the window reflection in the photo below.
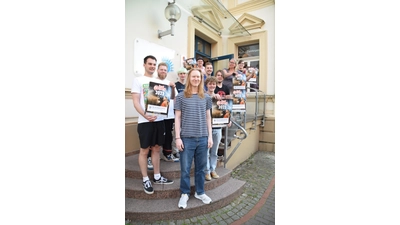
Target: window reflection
x,y
248,51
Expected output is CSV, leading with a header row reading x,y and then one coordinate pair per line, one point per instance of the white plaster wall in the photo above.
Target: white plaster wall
x,y
143,19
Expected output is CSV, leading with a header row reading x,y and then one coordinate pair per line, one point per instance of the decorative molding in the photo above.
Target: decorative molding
x,y
209,15
216,7
128,94
249,22
131,120
250,6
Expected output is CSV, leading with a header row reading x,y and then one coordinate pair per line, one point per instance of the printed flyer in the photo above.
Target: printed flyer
x,y
158,98
239,100
239,82
221,111
251,73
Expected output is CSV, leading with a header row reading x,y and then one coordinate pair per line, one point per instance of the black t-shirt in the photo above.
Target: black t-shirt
x,y
179,86
224,90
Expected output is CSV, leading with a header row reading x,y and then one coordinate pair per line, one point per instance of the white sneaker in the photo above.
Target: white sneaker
x,y
204,198
149,164
183,201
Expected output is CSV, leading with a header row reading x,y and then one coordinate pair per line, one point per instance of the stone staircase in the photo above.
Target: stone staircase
x,y
163,204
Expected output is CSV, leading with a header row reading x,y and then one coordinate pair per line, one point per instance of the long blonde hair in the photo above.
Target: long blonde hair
x,y
188,87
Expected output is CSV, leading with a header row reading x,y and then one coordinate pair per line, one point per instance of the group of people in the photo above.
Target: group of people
x,y
186,134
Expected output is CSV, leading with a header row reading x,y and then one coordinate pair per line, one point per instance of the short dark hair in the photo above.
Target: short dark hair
x,y
147,57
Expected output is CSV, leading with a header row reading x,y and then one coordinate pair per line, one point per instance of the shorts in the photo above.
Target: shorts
x,y
151,134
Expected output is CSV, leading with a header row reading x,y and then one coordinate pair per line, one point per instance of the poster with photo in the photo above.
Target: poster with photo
x,y
239,100
158,98
252,74
220,112
239,82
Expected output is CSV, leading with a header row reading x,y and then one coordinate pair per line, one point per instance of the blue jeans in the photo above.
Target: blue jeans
x,y
213,151
194,148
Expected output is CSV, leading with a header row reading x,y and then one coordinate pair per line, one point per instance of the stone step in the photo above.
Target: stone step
x,y
134,187
170,170
167,208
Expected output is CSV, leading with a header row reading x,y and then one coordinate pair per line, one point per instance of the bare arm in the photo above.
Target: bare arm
x,y
178,140
138,107
209,128
173,89
226,73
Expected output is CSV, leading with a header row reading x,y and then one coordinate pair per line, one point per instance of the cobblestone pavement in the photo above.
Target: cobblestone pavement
x,y
258,171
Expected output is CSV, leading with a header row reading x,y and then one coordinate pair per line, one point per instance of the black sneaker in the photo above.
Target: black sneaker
x,y
147,187
163,180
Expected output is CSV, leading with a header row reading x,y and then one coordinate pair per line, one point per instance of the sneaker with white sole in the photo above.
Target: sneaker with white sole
x,y
173,158
163,180
149,164
203,197
183,201
169,158
147,187
176,155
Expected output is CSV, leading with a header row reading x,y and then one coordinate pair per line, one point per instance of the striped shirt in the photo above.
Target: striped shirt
x,y
193,114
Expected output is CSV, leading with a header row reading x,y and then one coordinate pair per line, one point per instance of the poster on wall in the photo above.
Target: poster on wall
x,y
143,48
158,98
220,112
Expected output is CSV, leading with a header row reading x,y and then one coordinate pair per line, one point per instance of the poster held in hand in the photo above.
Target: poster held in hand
x,y
220,112
158,99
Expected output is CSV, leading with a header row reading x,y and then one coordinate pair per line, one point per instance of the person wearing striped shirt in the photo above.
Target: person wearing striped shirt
x,y
193,135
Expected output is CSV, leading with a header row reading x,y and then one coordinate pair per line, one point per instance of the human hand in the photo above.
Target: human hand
x,y
210,142
179,144
150,118
217,96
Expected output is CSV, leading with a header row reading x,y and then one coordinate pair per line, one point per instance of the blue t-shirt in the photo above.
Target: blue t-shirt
x,y
179,86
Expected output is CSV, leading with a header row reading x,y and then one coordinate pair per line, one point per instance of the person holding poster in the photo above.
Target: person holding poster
x,y
193,135
230,73
151,128
167,154
220,111
221,89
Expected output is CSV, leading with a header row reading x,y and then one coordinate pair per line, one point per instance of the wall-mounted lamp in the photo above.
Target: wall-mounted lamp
x,y
172,13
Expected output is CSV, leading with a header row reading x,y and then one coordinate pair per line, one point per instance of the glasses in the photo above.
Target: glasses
x,y
231,62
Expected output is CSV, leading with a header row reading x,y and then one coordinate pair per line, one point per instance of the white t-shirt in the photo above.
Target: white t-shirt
x,y
141,85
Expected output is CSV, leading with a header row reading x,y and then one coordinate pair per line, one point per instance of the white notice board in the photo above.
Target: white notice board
x,y
143,48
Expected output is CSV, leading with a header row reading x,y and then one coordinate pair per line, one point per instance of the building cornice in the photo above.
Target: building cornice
x,y
250,6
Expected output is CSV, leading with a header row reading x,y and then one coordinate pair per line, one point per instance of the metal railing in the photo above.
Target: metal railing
x,y
242,129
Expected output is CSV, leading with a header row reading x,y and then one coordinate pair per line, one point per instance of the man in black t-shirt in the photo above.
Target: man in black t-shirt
x,y
180,84
221,89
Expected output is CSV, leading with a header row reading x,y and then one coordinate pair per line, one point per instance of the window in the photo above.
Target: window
x,y
202,48
249,51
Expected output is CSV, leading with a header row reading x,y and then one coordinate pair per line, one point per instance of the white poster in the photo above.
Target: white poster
x,y
143,48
